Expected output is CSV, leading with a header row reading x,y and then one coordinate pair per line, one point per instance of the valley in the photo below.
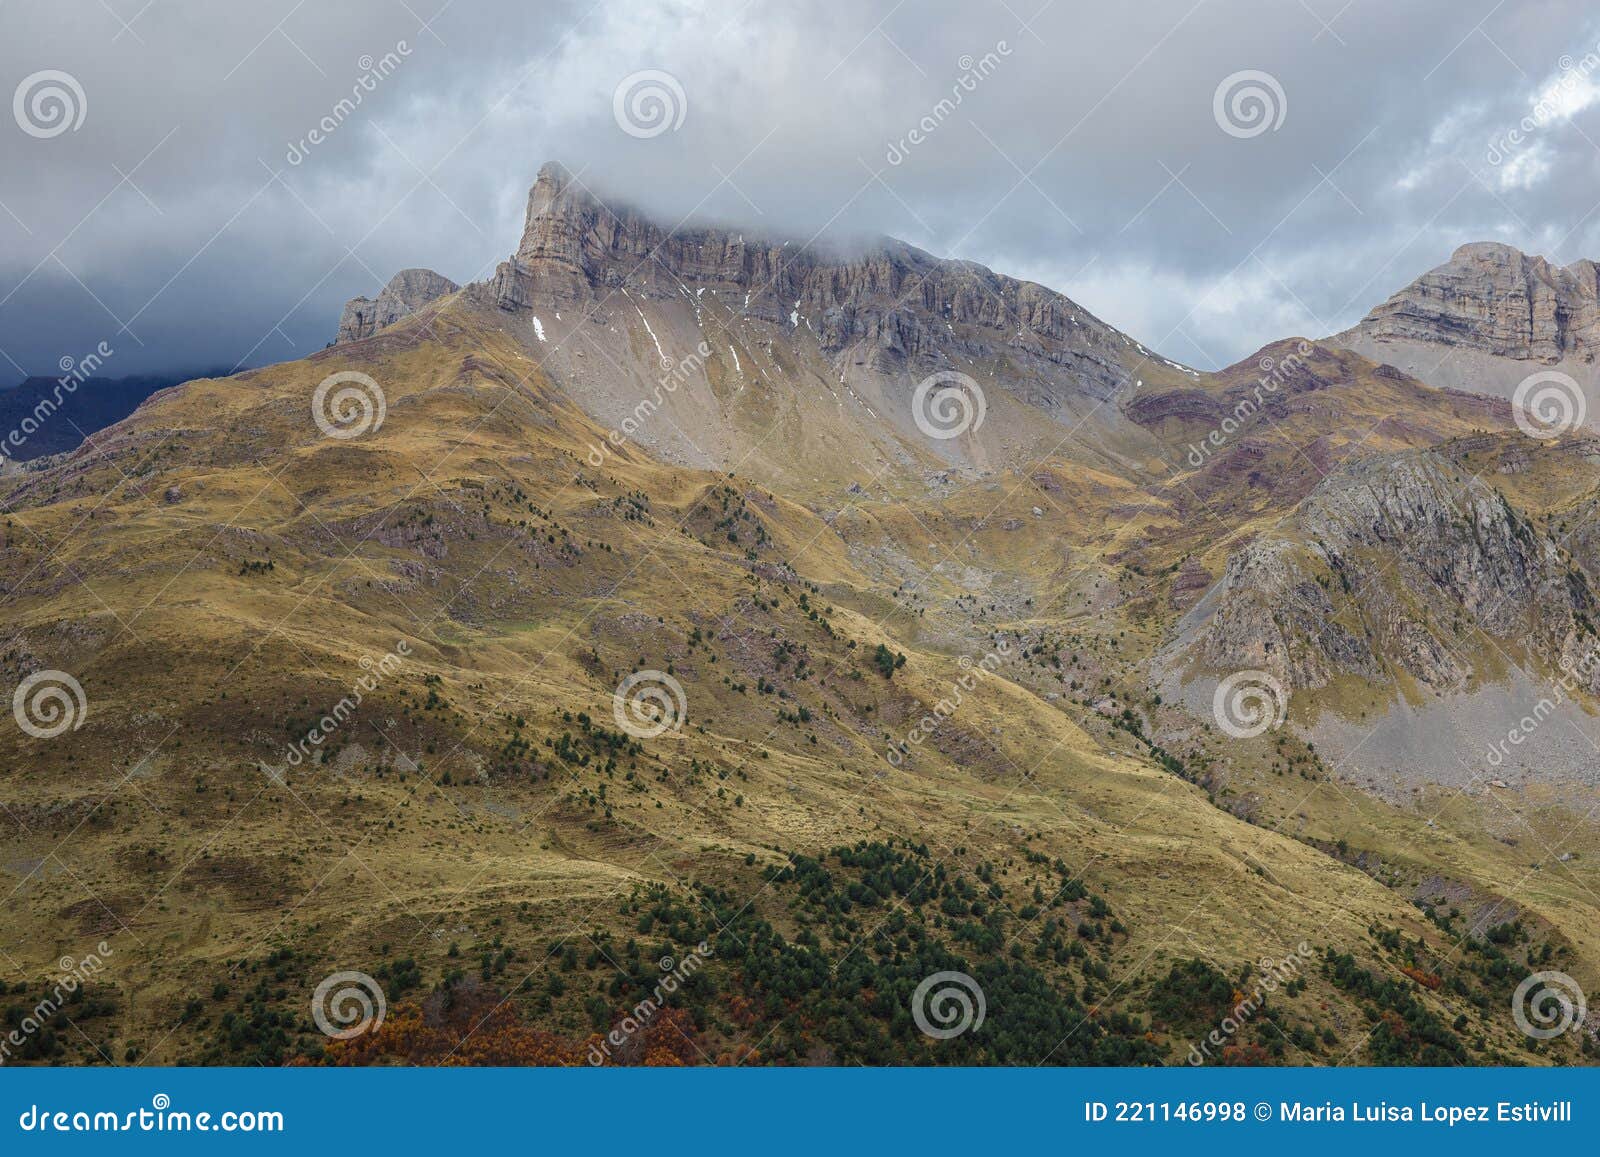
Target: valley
x,y
856,614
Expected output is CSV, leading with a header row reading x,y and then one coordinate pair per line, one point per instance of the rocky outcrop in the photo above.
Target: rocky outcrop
x,y
896,303
1496,300
1395,563
407,291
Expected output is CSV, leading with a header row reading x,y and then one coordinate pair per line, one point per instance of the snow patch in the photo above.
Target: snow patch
x,y
659,351
538,329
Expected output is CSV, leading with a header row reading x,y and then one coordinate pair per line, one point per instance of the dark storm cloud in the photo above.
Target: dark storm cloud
x,y
194,217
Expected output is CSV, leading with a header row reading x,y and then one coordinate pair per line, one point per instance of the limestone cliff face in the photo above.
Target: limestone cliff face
x,y
1400,563
407,291
905,305
1496,300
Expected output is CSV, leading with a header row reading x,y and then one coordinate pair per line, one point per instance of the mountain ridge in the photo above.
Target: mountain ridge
x,y
1490,320
872,637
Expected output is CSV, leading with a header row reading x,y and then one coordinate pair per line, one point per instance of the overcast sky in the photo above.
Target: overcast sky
x,y
173,206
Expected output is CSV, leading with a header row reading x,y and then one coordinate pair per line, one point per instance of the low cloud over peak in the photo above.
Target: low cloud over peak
x,y
218,179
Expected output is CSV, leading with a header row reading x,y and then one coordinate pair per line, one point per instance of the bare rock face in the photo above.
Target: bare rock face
x,y
898,304
407,291
1393,564
1496,300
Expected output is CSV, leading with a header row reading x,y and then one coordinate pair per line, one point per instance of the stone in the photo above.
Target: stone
x,y
1498,300
1306,604
407,291
886,305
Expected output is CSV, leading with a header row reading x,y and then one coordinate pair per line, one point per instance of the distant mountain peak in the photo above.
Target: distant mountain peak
x,y
899,305
407,291
1494,299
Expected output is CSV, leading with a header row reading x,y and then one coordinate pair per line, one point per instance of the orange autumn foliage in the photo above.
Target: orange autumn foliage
x,y
1245,1055
1424,978
476,1028
473,1024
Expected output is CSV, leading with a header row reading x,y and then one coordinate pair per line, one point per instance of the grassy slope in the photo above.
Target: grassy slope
x,y
526,585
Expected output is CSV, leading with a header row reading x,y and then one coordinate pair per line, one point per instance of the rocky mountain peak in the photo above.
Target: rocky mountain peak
x,y
407,291
1494,299
907,306
561,213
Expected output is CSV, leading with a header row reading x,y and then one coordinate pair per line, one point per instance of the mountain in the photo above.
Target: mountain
x,y
1410,607
737,337
620,605
1486,320
42,416
407,292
